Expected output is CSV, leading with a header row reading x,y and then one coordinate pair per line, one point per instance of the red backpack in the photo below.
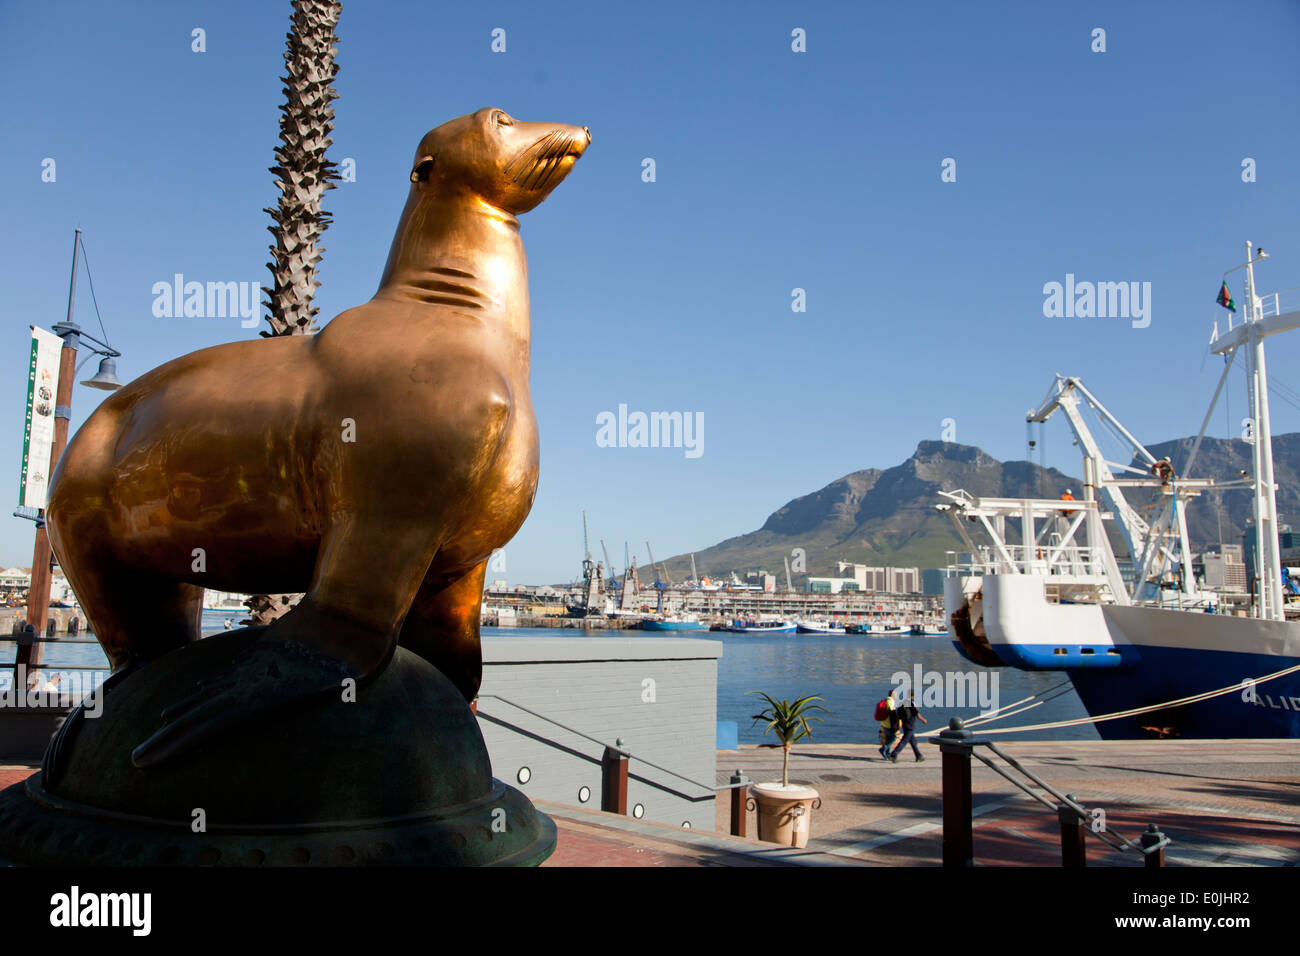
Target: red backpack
x,y
883,710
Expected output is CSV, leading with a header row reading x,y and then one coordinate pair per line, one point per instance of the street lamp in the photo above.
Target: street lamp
x,y
38,591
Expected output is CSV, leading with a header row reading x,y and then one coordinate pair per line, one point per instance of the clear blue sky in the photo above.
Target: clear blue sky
x,y
775,170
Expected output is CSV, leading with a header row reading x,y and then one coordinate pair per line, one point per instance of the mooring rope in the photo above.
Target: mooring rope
x,y
1078,721
1002,712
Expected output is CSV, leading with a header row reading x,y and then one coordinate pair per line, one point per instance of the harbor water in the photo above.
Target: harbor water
x,y
850,672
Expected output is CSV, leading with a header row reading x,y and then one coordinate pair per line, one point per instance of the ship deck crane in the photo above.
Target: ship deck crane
x,y
1153,547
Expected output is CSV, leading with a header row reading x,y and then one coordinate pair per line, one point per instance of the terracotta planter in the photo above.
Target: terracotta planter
x,y
784,812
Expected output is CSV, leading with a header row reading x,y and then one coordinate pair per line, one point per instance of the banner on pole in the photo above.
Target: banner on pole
x,y
38,434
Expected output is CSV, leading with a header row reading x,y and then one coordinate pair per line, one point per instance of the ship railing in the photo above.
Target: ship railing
x,y
1276,303
1076,561
615,768
958,746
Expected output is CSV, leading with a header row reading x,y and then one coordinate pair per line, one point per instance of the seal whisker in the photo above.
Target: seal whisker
x,y
525,163
540,171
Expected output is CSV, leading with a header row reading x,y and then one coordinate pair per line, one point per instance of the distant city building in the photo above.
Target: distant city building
x,y
932,581
830,585
903,580
883,580
15,578
1225,571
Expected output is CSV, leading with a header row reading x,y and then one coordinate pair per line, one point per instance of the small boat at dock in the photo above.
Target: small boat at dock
x,y
818,627
672,622
877,629
776,626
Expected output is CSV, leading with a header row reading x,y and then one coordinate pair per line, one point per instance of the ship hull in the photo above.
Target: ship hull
x,y
1122,658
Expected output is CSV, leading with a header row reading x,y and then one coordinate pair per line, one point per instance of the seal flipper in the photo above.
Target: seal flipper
x,y
443,628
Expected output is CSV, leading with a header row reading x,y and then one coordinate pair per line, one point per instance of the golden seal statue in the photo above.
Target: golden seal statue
x,y
375,466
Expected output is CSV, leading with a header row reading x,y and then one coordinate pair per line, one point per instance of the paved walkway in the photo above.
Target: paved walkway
x,y
1224,802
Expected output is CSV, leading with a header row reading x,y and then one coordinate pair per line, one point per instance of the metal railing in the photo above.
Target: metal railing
x,y
957,746
1276,303
1076,561
24,670
615,760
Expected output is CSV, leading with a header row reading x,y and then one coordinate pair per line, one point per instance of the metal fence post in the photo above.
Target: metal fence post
x,y
613,780
1074,850
739,817
1150,837
958,838
26,656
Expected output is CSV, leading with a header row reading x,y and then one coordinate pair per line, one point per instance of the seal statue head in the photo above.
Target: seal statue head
x,y
506,162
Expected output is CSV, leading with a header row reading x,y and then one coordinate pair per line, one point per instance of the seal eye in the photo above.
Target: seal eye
x,y
503,120
421,171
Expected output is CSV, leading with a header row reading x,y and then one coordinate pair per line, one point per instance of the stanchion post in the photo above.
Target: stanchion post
x,y
613,781
739,815
1150,837
958,835
1074,849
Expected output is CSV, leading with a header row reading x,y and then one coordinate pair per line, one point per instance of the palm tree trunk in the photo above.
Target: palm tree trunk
x,y
302,174
785,766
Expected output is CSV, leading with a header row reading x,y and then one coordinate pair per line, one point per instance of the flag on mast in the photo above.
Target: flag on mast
x,y
1225,298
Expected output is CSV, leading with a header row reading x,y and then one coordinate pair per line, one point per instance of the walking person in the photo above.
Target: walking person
x,y
908,715
887,714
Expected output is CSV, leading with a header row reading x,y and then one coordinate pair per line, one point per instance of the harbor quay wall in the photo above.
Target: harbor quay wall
x,y
65,620
658,696
549,609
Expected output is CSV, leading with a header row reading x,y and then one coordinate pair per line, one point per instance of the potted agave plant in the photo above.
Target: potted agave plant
x,y
785,810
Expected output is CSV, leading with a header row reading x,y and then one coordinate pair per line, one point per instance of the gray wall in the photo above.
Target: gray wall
x,y
597,685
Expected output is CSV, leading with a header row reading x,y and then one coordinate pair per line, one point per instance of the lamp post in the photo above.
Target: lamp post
x,y
38,592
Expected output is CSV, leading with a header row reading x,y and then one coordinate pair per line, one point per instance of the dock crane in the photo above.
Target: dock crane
x,y
660,580
592,585
661,573
587,564
609,565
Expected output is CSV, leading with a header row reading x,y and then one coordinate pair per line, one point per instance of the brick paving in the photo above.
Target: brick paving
x,y
1224,802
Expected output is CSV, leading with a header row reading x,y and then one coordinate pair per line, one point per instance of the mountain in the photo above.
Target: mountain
x,y
878,517
887,518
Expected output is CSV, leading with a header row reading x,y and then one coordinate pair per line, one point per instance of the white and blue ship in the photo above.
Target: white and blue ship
x,y
1150,652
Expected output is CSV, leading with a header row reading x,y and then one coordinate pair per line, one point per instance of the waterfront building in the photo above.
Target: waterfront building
x,y
14,579
830,585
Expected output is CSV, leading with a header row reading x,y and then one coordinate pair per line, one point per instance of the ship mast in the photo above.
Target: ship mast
x,y
1268,562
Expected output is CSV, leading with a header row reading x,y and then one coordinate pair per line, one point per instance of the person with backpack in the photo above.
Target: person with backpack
x,y
908,715
886,714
